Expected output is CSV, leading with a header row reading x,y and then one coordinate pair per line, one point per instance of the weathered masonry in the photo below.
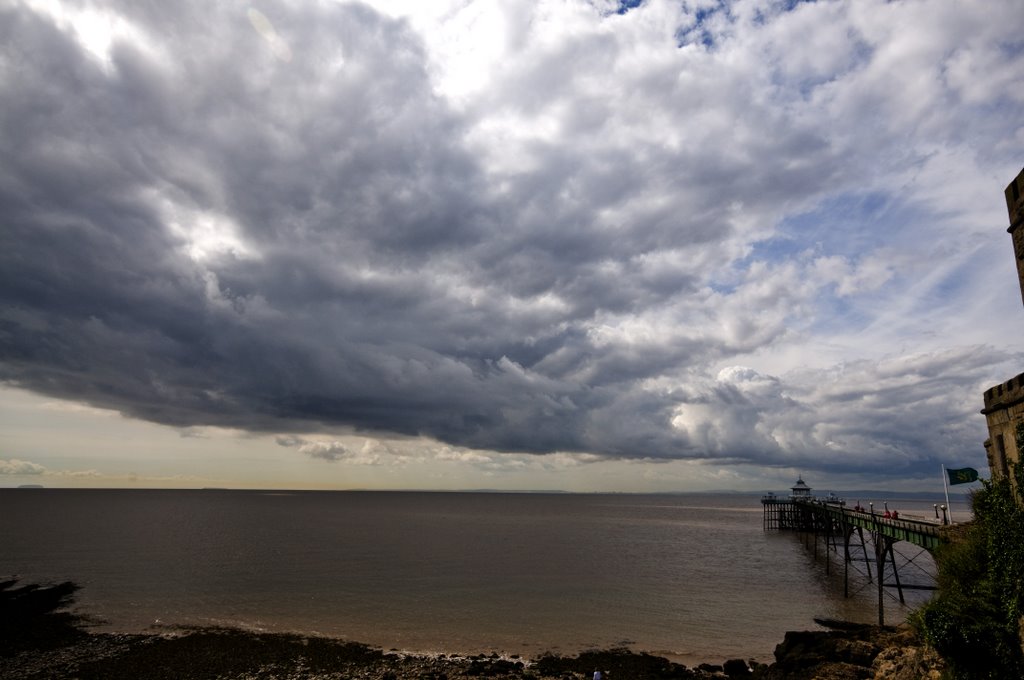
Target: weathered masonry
x,y
1004,404
1004,410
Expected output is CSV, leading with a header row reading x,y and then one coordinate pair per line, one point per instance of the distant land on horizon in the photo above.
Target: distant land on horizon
x,y
862,494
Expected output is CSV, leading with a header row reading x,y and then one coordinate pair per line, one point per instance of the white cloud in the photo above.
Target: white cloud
x,y
76,473
369,452
16,467
13,466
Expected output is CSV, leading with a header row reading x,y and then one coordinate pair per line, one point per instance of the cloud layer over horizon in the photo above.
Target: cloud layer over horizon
x,y
751,233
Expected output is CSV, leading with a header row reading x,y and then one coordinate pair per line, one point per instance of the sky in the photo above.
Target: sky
x,y
521,244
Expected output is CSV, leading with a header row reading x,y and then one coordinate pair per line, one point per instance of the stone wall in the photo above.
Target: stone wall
x,y
1004,404
1004,408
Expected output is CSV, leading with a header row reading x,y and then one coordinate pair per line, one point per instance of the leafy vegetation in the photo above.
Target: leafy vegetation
x,y
977,620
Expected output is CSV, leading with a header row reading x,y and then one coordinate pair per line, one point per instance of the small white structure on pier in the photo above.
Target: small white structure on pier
x,y
800,489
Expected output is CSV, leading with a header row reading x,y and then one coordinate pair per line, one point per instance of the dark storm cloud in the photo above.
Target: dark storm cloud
x,y
357,210
276,223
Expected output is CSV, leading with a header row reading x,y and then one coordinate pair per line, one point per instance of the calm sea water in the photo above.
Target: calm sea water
x,y
694,577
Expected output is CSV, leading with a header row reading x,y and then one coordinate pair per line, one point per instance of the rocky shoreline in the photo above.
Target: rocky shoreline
x,y
844,652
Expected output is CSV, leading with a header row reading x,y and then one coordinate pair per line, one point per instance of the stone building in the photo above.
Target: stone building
x,y
1004,404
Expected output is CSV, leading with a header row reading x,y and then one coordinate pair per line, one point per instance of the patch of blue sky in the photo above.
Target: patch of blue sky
x,y
1000,110
698,30
859,55
1012,49
782,6
858,58
626,5
838,314
853,226
722,286
833,313
849,225
958,284
692,34
703,13
952,285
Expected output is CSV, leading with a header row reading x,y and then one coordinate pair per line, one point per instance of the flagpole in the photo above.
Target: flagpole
x,y
945,488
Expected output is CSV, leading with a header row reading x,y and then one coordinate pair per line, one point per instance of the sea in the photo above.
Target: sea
x,y
694,577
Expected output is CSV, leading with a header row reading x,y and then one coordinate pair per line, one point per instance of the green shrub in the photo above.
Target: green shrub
x,y
974,621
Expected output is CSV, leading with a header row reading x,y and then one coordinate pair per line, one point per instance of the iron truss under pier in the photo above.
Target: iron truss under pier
x,y
830,522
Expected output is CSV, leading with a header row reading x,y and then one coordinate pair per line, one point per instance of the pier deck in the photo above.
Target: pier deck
x,y
807,514
830,520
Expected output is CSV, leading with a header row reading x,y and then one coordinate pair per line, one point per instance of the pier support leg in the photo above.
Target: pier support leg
x,y
828,537
864,547
880,564
847,532
882,546
896,573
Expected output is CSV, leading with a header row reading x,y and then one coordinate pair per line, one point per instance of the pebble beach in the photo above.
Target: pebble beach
x,y
228,654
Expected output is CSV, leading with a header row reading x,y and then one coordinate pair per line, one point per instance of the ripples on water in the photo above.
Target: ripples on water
x,y
691,576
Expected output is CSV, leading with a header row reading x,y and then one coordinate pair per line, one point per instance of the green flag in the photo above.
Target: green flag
x,y
962,476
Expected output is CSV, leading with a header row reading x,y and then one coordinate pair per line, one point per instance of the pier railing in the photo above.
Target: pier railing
x,y
805,514
834,523
922,533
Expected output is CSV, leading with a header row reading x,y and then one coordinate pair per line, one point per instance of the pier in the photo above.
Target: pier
x,y
830,524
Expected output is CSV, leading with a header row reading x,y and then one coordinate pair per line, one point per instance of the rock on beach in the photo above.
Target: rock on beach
x,y
854,652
